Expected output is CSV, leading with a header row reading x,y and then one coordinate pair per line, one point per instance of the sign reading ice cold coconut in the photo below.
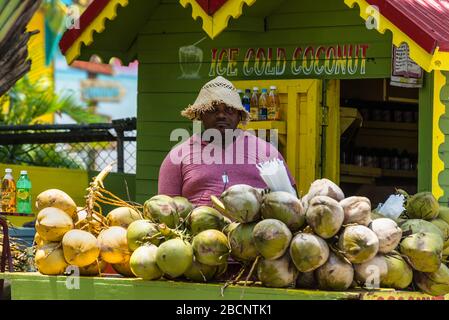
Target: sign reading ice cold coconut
x,y
321,60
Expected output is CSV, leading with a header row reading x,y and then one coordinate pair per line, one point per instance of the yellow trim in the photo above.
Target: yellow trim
x,y
437,61
214,25
437,136
97,25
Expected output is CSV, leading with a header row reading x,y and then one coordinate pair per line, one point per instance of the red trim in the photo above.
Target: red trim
x,y
211,6
97,68
426,23
89,15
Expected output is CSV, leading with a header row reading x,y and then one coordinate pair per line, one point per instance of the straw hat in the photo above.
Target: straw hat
x,y
216,91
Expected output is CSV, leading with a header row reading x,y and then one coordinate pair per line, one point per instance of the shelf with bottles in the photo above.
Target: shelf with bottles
x,y
263,105
377,163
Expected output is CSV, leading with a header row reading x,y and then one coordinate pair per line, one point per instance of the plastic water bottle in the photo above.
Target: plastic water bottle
x,y
8,191
24,193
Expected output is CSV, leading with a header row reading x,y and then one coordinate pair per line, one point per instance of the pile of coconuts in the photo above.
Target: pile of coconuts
x,y
320,241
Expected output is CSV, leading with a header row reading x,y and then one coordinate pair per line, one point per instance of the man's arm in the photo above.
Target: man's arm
x,y
170,178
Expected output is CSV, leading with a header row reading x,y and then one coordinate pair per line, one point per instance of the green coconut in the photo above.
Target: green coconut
x,y
358,243
325,216
211,247
399,273
143,263
308,252
443,213
242,243
336,274
229,227
434,283
357,210
388,233
306,280
325,187
204,218
422,205
161,209
423,251
418,225
371,273
199,272
443,226
242,203
285,207
183,207
174,257
278,273
140,232
272,238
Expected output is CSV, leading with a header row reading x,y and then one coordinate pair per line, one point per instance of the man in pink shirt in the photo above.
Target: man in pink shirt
x,y
208,163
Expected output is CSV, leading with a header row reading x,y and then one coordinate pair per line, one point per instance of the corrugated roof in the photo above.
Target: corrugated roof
x,y
425,21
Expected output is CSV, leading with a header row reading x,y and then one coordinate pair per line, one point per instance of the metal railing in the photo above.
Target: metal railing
x,y
88,147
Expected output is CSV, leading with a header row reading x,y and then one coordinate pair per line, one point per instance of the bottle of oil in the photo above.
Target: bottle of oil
x,y
263,105
8,191
255,104
273,104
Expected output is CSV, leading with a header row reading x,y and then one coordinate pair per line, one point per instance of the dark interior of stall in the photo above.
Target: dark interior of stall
x,y
379,138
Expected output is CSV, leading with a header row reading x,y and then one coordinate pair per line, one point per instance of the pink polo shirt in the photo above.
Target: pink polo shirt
x,y
194,169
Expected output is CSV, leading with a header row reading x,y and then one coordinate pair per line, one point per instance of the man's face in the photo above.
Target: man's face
x,y
221,118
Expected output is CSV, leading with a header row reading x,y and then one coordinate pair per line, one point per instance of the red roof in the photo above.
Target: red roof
x,y
425,21
89,15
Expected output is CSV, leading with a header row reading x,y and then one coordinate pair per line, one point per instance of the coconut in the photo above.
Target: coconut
x,y
53,223
285,207
399,275
443,213
200,272
443,226
272,238
204,218
305,202
422,205
49,259
359,244
161,209
124,268
143,263
325,187
388,233
38,241
94,269
80,248
357,210
278,273
122,217
229,227
423,250
82,222
308,252
113,245
306,280
174,257
140,232
242,203
242,243
371,273
434,283
336,274
183,206
56,199
413,226
325,215
211,247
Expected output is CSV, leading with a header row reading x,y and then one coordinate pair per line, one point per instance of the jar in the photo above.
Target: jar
x,y
386,115
395,162
398,116
408,116
377,115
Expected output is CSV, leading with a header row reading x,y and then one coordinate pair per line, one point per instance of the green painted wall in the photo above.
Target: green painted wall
x,y
163,93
